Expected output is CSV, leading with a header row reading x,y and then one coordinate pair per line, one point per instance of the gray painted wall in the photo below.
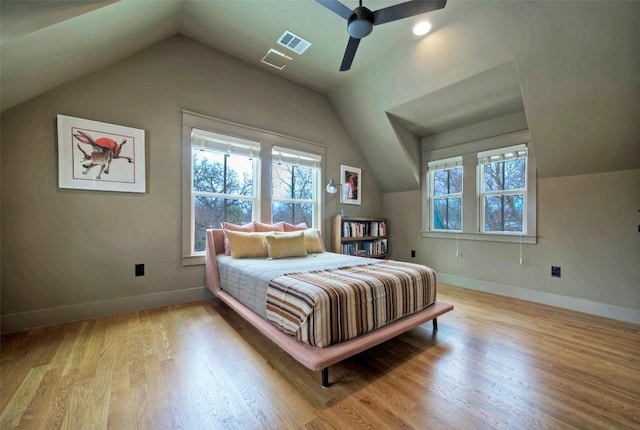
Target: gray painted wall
x,y
70,254
587,224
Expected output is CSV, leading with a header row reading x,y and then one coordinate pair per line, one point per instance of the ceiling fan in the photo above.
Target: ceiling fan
x,y
361,20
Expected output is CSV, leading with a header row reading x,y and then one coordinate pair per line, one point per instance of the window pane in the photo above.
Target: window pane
x,y
447,181
447,214
440,182
455,180
514,174
215,172
493,176
513,177
503,213
210,212
294,213
513,213
493,213
292,182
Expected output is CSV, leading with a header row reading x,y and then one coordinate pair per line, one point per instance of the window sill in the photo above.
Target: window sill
x,y
506,238
193,260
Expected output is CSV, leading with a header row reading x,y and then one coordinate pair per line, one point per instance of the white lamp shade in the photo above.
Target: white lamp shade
x,y
332,188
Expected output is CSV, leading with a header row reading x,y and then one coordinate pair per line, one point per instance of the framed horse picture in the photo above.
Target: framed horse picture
x,y
98,156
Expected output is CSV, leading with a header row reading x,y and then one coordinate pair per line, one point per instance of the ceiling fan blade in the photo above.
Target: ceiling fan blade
x,y
336,7
349,53
405,10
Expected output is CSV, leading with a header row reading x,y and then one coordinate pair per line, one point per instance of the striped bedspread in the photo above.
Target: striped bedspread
x,y
329,306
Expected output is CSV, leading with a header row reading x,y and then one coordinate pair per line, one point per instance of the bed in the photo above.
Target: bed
x,y
319,344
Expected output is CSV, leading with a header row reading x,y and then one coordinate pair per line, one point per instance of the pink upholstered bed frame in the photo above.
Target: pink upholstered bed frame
x,y
313,358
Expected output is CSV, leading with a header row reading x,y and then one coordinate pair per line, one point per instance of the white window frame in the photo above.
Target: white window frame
x,y
471,223
305,159
438,166
495,155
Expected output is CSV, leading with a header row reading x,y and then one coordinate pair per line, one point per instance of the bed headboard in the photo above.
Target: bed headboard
x,y
215,246
217,234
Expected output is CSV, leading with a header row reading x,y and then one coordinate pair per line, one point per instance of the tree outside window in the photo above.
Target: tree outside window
x,y
293,193
223,191
504,195
447,199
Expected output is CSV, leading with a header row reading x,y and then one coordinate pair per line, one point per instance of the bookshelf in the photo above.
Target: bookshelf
x,y
363,236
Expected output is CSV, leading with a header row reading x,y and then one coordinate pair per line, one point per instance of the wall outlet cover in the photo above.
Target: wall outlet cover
x,y
139,269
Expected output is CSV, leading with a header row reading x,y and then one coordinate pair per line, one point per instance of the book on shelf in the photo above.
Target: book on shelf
x,y
374,247
364,229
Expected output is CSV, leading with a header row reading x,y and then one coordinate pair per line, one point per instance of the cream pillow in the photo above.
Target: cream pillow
x,y
285,245
249,227
246,245
313,241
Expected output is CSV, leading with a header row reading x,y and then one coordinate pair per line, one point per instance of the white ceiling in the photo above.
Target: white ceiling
x,y
576,67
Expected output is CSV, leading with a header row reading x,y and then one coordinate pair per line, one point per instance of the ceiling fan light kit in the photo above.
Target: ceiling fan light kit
x,y
361,20
360,24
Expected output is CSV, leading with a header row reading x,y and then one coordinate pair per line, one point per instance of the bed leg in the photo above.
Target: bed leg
x,y
435,324
325,377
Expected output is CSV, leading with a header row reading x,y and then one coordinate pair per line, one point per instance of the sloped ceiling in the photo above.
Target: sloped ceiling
x,y
574,67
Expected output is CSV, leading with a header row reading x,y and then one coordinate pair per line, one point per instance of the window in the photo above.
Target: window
x,y
445,178
503,190
223,177
481,190
294,186
237,173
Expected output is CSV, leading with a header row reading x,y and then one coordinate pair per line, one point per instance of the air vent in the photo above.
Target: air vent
x,y
276,59
293,42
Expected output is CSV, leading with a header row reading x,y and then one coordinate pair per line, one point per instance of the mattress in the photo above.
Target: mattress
x,y
328,298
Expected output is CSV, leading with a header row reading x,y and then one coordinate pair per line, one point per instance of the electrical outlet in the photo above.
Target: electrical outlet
x,y
555,271
413,253
139,269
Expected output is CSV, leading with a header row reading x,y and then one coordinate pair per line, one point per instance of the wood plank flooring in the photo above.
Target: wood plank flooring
x,y
494,363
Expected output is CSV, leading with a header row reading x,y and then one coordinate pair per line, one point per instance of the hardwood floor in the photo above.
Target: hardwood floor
x,y
494,363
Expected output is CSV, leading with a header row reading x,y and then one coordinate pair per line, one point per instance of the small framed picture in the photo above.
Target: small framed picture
x,y
351,192
98,156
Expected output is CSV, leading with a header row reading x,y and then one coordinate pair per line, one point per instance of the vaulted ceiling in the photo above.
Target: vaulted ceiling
x,y
573,68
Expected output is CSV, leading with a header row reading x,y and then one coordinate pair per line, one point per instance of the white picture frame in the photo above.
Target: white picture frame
x,y
99,156
350,185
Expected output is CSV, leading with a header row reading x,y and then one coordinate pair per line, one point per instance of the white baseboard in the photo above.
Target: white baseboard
x,y
43,317
575,304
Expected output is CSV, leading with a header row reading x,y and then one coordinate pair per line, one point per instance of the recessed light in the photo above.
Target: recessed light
x,y
422,28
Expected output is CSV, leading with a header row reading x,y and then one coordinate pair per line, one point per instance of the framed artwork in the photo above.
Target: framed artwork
x,y
351,192
98,156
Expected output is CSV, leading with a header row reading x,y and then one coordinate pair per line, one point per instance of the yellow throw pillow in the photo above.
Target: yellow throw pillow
x,y
229,226
285,245
246,245
313,241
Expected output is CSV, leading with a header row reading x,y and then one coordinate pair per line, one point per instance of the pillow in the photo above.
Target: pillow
x,y
268,227
247,245
313,241
286,245
249,227
291,227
